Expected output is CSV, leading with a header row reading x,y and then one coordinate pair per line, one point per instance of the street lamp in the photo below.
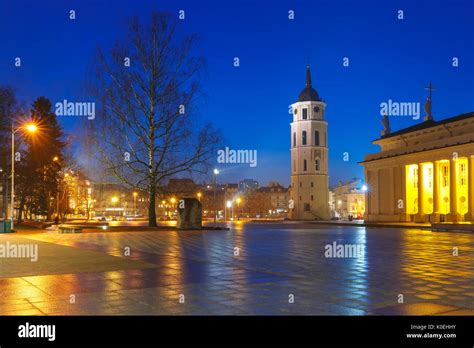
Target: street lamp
x,y
30,127
199,195
238,200
229,205
216,173
135,194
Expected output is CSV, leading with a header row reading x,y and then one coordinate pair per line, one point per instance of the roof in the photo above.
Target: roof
x,y
308,93
428,124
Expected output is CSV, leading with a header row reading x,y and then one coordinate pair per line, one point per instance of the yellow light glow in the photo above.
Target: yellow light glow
x,y
462,186
412,189
173,200
238,200
31,127
199,194
114,199
135,194
427,169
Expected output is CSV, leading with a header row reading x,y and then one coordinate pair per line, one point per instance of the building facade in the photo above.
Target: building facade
x,y
349,200
309,156
424,173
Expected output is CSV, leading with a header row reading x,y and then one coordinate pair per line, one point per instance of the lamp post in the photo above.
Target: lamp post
x,y
216,172
173,201
31,127
229,205
238,200
135,194
114,201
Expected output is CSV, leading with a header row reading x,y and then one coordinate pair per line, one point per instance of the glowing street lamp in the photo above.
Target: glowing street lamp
x,y
229,205
135,194
364,188
238,200
31,128
199,195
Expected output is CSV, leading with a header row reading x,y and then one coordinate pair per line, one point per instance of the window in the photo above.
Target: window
x,y
301,184
316,165
304,166
303,140
311,197
294,166
306,207
311,184
294,139
462,174
305,114
445,178
325,139
316,138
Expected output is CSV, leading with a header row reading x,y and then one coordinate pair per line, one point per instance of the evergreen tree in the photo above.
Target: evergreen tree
x,y
43,161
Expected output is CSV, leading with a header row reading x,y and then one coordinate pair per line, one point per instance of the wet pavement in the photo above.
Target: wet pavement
x,y
255,268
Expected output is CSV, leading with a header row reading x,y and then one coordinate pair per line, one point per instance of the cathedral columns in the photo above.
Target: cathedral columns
x,y
453,197
420,217
436,195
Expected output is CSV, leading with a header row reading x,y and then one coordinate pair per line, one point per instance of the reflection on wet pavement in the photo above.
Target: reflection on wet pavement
x,y
255,268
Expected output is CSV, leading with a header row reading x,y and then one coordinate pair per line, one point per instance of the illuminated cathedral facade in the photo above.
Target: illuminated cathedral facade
x,y
424,173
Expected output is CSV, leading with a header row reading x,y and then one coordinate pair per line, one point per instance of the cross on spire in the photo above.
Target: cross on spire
x,y
428,113
430,88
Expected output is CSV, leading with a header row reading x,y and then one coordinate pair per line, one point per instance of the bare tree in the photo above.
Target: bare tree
x,y
147,90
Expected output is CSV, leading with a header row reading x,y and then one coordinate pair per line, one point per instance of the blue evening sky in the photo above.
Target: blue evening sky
x,y
389,59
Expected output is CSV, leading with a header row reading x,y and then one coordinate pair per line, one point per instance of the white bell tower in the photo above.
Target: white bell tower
x,y
309,156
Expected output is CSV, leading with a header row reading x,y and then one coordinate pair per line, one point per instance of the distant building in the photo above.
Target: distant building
x,y
349,200
77,192
424,172
112,199
248,184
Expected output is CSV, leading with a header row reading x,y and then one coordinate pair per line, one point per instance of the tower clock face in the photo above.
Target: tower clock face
x,y
316,109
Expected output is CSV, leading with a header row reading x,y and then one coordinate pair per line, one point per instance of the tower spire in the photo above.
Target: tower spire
x,y
308,76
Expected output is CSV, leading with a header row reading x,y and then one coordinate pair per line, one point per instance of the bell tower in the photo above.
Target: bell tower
x,y
309,156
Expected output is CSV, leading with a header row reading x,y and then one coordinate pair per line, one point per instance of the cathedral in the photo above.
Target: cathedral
x,y
309,156
423,173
